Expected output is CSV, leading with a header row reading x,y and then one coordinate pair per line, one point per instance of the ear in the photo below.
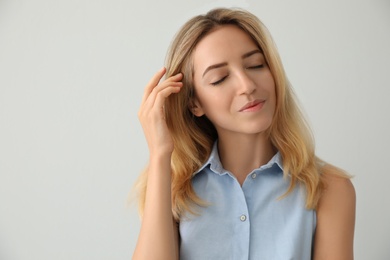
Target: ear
x,y
196,108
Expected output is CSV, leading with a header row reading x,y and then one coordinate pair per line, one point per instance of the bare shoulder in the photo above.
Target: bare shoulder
x,y
339,189
337,182
335,216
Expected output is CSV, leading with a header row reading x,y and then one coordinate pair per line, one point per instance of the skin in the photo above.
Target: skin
x,y
158,237
242,76
242,143
335,218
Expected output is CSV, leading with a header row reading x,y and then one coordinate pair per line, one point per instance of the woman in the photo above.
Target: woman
x,y
232,171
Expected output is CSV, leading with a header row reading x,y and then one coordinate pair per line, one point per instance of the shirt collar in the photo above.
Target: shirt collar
x,y
216,166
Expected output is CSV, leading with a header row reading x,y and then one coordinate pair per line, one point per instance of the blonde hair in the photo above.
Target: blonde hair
x,y
194,136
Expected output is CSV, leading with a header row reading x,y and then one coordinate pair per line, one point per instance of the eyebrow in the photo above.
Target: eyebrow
x,y
246,55
222,64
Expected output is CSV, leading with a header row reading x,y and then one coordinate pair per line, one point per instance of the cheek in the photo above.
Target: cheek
x,y
270,82
270,86
210,98
215,106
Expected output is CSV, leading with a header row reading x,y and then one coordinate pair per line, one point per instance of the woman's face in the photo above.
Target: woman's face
x,y
234,87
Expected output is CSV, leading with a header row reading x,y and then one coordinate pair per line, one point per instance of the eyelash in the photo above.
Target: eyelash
x,y
257,66
219,81
222,79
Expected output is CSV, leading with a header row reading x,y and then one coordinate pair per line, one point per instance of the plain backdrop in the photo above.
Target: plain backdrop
x,y
72,75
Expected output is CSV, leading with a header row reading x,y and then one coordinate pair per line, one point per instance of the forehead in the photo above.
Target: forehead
x,y
223,43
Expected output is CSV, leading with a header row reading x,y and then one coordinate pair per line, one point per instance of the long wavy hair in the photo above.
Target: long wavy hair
x,y
194,137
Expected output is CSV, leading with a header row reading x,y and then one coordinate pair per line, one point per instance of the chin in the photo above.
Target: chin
x,y
258,127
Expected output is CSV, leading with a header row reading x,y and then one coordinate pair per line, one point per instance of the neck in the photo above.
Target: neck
x,y
240,155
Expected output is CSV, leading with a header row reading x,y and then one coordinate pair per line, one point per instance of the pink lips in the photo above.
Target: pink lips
x,y
252,106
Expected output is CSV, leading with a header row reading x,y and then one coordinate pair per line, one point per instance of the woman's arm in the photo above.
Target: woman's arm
x,y
158,238
335,218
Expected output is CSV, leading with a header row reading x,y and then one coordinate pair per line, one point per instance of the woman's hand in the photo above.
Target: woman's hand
x,y
158,239
151,112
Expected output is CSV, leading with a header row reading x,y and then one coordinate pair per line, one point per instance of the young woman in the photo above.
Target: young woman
x,y
232,171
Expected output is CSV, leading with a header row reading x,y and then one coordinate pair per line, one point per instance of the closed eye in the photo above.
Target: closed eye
x,y
256,67
219,81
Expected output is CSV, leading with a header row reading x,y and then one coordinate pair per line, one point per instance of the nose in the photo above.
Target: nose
x,y
246,85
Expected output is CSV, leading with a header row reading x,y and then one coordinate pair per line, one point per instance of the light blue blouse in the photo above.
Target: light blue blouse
x,y
247,222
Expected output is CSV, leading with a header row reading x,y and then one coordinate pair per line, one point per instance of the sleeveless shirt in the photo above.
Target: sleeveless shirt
x,y
249,221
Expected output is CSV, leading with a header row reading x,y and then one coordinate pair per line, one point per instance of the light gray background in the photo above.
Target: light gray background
x,y
72,75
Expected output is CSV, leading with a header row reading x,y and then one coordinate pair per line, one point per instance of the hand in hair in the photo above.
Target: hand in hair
x,y
151,113
158,237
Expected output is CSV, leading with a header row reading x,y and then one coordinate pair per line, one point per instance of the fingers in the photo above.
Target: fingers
x,y
173,81
153,82
156,93
163,94
154,87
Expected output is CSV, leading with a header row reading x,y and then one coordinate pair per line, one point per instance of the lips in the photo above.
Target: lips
x,y
252,106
